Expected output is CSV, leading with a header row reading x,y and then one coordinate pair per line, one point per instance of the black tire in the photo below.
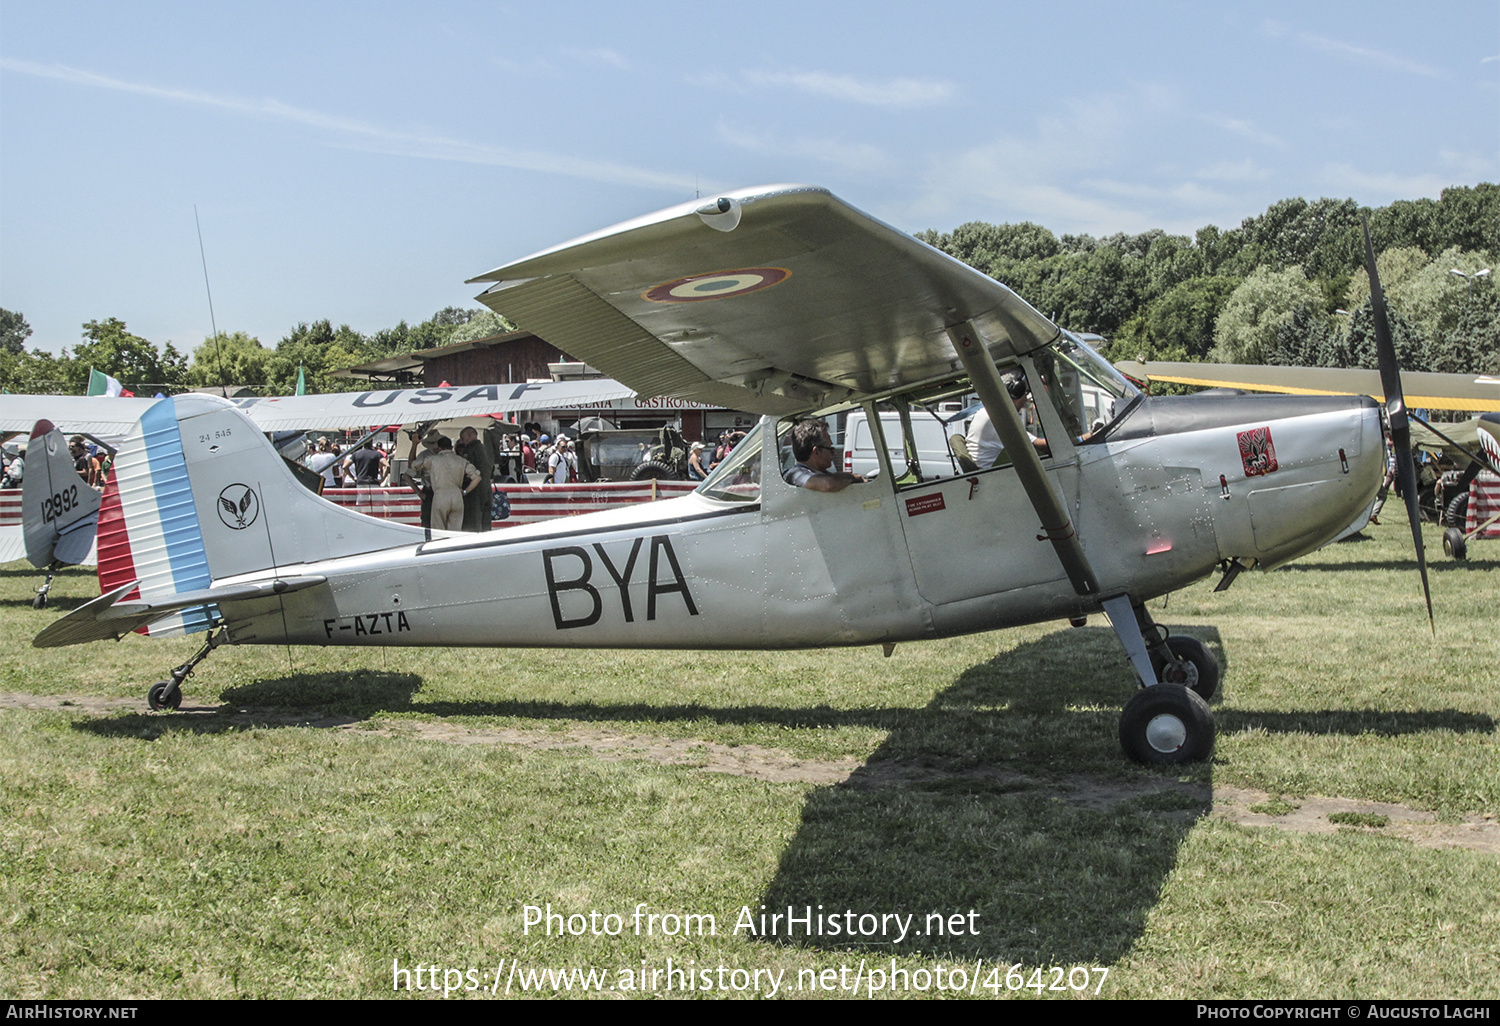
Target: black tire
x,y
1457,511
156,698
1454,544
1197,668
653,469
40,601
1165,725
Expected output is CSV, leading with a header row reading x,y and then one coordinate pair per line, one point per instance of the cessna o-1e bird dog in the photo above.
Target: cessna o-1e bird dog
x,y
787,302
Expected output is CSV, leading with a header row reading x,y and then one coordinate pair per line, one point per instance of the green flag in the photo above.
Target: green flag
x,y
301,381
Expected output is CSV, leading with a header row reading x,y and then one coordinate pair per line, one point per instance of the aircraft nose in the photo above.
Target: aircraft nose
x,y
1307,478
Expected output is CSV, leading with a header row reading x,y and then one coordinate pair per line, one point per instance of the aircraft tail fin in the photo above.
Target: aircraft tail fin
x,y
198,495
58,508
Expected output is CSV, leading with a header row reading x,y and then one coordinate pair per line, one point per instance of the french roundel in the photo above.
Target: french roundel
x,y
717,285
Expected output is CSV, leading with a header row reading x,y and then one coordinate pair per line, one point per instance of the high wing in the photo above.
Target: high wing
x,y
113,416
774,300
1422,390
410,405
89,414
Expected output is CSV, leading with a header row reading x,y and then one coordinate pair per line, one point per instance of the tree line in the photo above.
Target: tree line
x,y
312,349
1286,287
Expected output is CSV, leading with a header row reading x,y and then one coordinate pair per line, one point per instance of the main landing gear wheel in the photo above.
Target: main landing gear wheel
x,y
1194,666
1167,724
40,601
157,698
1454,544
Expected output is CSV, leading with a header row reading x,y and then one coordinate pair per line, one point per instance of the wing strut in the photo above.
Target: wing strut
x,y
1056,526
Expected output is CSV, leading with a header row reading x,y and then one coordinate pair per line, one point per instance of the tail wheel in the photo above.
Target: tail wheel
x,y
1165,725
1194,667
157,698
1454,544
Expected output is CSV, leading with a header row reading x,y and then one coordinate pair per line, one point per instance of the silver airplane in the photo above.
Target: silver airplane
x,y
786,302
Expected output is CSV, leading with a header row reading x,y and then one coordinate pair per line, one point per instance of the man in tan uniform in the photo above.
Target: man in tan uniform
x,y
451,477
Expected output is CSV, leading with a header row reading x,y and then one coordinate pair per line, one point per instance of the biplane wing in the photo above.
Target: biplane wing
x,y
796,301
1472,392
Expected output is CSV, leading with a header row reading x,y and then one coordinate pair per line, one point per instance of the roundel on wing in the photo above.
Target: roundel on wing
x,y
716,285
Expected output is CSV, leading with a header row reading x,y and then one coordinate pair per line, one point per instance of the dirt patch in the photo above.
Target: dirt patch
x,y
740,760
1307,814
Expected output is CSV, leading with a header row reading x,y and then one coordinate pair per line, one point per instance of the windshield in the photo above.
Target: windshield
x,y
1089,394
737,478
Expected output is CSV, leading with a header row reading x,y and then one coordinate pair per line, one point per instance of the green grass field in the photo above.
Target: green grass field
x,y
316,822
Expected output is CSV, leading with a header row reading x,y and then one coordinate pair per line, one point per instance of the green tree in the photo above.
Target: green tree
x,y
1394,266
1472,345
482,325
1356,347
109,347
14,331
979,244
226,359
1183,318
1247,327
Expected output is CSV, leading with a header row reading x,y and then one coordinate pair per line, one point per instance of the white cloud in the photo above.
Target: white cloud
x,y
1245,170
602,56
349,132
1246,129
1383,187
840,153
1369,55
906,93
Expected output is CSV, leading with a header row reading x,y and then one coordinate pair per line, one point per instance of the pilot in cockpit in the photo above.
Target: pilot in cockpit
x,y
984,442
813,449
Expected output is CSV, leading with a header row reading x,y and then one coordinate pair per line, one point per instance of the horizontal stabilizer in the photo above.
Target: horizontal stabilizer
x,y
111,616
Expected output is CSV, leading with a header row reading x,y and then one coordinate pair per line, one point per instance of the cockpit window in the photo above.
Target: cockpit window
x,y
737,478
1088,393
930,434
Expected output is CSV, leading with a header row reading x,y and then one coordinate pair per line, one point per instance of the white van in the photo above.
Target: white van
x,y
931,435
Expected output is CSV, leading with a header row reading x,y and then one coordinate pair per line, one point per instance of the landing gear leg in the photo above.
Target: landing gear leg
x,y
1169,720
40,600
167,694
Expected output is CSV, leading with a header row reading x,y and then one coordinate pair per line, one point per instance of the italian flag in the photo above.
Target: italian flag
x,y
103,384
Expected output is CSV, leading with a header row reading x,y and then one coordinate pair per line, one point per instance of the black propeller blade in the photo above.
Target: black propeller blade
x,y
1395,408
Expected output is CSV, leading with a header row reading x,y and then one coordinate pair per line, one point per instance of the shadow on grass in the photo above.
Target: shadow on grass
x,y
1005,796
55,603
1435,564
23,569
1354,722
1041,863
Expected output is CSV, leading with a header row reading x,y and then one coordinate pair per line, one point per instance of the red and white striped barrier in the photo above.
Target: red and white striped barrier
x,y
1484,503
529,504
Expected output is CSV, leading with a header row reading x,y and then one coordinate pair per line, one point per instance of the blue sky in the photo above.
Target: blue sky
x,y
358,161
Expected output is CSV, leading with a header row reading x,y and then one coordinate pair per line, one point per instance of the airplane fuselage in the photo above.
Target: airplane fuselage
x,y
1186,484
